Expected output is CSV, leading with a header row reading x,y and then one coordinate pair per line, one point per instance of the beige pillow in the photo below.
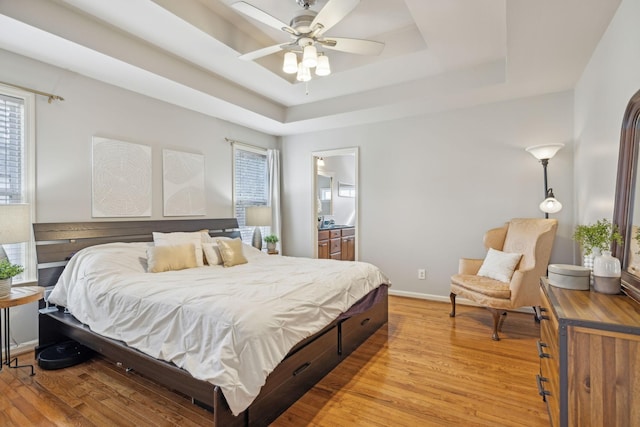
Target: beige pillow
x,y
499,265
167,258
179,238
231,252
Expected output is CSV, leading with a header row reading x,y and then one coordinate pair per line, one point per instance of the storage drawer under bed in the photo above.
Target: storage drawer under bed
x,y
356,329
294,376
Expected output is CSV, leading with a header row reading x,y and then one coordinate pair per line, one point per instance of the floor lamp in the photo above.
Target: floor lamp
x,y
543,153
258,216
16,225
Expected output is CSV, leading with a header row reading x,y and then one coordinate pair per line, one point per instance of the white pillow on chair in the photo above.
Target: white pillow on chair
x,y
499,265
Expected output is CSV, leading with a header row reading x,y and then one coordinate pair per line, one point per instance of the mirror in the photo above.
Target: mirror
x,y
324,184
627,205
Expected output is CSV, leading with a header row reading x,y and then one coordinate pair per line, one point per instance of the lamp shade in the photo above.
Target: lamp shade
x,y
550,204
290,65
323,68
310,56
15,224
258,216
304,75
544,151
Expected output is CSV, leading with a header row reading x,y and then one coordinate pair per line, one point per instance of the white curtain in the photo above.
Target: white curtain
x,y
273,164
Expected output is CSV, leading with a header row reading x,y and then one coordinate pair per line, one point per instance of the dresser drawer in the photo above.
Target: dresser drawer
x,y
334,234
323,235
348,232
336,246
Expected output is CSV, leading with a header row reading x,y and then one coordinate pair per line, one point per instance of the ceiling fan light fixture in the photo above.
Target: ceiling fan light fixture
x,y
290,65
323,68
304,75
310,56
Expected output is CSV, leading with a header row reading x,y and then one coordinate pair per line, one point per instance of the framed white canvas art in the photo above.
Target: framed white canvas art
x,y
183,183
121,179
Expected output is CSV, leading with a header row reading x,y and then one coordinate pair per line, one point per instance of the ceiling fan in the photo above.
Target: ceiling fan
x,y
306,30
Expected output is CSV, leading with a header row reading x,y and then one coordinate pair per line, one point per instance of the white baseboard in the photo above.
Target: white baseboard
x,y
440,298
22,348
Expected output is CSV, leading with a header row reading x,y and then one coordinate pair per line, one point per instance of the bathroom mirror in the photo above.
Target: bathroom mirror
x,y
324,184
627,205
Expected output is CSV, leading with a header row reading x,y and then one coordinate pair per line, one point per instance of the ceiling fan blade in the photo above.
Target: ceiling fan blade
x,y
361,47
332,13
259,15
250,56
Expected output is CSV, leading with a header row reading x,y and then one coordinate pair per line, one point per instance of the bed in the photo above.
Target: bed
x,y
334,331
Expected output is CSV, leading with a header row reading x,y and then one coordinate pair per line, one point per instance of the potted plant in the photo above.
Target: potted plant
x,y
271,240
595,238
7,272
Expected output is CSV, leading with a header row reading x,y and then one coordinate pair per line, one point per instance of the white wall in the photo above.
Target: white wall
x,y
63,146
430,186
601,96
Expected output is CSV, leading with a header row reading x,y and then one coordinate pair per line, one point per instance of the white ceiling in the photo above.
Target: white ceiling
x,y
439,54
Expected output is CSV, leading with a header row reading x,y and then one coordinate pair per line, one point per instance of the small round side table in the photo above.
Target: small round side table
x,y
19,295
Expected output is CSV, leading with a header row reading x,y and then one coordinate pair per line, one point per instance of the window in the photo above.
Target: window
x,y
17,167
250,185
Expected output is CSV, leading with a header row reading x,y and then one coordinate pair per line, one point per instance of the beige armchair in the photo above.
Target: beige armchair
x,y
533,238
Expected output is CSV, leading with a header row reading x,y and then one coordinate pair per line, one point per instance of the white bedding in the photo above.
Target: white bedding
x,y
229,326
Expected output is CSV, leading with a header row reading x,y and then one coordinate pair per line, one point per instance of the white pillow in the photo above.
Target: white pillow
x,y
212,253
499,265
179,238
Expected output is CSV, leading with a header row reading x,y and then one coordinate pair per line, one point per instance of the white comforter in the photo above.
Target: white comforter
x,y
229,326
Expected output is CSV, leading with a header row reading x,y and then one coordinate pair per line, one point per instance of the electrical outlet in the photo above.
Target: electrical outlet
x,y
422,274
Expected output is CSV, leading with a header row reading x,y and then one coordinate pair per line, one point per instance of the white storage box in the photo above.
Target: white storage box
x,y
569,276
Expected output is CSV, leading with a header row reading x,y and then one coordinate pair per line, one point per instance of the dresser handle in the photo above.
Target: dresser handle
x,y
541,391
541,353
542,316
365,321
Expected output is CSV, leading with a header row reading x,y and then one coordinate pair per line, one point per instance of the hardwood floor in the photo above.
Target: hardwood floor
x,y
432,370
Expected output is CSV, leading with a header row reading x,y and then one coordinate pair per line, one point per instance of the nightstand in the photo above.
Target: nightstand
x,y
20,295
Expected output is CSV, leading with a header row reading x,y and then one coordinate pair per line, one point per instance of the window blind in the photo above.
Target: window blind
x,y
251,186
12,165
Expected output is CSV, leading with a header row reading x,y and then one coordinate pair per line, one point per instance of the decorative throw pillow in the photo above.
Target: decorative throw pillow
x,y
231,252
167,258
178,238
212,253
499,265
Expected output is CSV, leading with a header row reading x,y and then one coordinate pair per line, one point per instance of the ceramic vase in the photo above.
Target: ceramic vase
x,y
271,247
5,287
606,273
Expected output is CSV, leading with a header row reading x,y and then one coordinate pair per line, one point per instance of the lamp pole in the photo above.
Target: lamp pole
x,y
545,162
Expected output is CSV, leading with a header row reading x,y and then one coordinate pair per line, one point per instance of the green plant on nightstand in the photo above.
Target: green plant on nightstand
x,y
271,240
8,270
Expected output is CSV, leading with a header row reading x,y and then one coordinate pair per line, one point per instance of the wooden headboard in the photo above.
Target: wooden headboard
x,y
56,242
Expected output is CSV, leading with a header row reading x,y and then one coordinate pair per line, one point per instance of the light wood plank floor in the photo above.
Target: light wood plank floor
x,y
432,371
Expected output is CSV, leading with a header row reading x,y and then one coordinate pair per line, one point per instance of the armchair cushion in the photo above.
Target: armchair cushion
x,y
499,265
487,288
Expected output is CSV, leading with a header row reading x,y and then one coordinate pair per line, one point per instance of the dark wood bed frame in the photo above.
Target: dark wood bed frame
x,y
304,366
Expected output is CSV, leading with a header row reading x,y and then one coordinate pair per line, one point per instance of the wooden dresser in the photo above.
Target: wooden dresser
x,y
337,243
589,351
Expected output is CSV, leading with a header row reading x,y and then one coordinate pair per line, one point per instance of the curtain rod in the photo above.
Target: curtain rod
x,y
51,96
234,141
